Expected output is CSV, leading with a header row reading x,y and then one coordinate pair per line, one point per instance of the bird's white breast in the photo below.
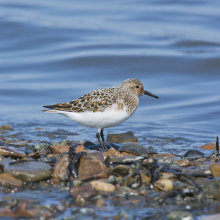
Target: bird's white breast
x,y
105,119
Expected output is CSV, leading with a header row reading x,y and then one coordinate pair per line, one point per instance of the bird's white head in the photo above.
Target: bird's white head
x,y
136,87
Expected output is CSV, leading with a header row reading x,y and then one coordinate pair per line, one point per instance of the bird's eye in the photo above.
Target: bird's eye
x,y
137,87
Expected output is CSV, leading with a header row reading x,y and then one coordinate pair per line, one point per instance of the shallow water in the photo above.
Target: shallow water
x,y
56,51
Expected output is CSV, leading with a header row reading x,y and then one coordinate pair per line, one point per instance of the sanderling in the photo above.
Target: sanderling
x,y
103,108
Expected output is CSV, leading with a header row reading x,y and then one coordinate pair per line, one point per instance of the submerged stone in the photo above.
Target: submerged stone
x,y
85,191
122,138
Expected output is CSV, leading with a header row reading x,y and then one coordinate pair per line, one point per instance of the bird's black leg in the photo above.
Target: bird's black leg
x,y
103,139
98,137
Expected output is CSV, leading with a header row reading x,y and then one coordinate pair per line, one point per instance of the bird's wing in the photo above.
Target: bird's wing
x,y
94,101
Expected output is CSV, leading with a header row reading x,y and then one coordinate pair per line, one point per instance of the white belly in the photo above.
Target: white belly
x,y
106,119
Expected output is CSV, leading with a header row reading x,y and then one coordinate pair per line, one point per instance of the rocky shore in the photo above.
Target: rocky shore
x,y
129,181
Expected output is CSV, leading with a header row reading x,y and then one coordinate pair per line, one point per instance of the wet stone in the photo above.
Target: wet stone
x,y
209,146
164,184
102,186
29,171
212,189
215,169
212,217
59,149
92,169
60,168
140,148
122,138
11,152
6,127
7,179
85,191
124,190
164,155
179,215
193,155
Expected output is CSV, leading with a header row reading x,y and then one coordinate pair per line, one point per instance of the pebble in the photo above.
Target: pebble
x,y
211,189
85,191
59,149
90,168
6,127
164,184
193,155
215,169
11,152
101,186
129,145
209,146
28,171
8,180
122,138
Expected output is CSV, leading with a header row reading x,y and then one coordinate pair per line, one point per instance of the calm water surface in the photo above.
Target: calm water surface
x,y
56,51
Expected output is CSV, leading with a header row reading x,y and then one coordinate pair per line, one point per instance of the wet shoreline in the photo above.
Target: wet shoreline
x,y
75,180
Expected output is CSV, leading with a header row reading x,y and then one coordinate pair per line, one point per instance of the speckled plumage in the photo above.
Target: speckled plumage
x,y
103,108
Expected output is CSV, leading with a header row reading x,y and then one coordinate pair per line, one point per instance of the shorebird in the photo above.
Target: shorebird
x,y
103,108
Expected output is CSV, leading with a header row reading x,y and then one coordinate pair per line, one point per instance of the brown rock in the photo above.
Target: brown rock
x,y
184,163
59,149
122,138
11,151
79,149
85,191
94,154
215,169
6,127
164,155
2,138
114,152
164,184
146,180
35,155
102,186
7,179
209,146
92,169
60,171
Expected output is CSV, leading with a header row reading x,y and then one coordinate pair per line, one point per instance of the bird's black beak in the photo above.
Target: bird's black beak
x,y
150,94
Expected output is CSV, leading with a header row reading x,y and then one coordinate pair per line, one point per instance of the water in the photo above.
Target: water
x,y
56,51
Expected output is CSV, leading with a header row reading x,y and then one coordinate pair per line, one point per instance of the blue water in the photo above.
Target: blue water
x,y
55,51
